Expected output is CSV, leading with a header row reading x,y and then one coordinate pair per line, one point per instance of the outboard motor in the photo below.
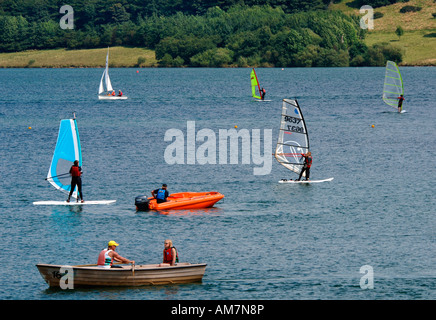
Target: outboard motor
x,y
141,203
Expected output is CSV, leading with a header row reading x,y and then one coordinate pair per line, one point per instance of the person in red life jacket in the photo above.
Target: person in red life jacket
x,y
170,253
76,180
262,94
400,102
306,166
161,194
113,92
120,94
107,256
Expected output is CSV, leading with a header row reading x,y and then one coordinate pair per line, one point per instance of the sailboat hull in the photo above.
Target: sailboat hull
x,y
105,97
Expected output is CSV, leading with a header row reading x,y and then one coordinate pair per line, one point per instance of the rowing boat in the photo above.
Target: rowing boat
x,y
137,275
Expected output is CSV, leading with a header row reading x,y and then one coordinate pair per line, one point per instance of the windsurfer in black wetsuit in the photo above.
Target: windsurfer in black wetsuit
x,y
306,166
400,102
76,180
262,94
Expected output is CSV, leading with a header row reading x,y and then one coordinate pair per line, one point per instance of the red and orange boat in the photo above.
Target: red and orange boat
x,y
181,200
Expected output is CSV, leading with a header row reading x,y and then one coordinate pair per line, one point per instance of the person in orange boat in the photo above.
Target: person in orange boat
x,y
107,256
170,254
161,194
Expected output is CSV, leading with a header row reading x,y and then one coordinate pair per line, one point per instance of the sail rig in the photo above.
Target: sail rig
x,y
254,85
105,78
67,150
393,86
293,138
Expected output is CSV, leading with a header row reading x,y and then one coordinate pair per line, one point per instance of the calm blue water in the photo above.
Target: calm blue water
x,y
264,240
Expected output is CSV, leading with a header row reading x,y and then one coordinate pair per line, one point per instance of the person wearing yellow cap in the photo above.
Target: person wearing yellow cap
x,y
107,256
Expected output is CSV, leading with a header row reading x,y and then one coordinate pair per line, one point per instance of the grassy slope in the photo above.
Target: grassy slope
x,y
118,57
419,48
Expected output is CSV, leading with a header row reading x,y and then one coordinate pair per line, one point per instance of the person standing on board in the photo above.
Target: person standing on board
x,y
76,180
262,94
306,166
170,253
400,102
161,194
107,256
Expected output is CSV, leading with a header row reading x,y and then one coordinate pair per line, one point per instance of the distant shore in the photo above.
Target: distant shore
x,y
419,50
119,57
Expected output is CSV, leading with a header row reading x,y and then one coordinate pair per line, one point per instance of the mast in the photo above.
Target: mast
x,y
254,83
293,139
393,86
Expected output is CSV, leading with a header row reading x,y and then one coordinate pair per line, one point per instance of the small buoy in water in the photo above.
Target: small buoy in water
x,y
372,126
236,127
137,71
30,128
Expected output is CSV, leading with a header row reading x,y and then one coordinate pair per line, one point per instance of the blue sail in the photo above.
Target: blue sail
x,y
67,150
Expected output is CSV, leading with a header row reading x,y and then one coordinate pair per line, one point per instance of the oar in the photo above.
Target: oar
x,y
94,265
59,175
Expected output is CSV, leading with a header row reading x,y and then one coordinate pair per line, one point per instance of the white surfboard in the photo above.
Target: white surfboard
x,y
304,181
259,100
72,203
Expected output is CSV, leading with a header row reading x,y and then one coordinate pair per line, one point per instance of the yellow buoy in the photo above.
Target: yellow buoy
x,y
236,127
372,126
30,128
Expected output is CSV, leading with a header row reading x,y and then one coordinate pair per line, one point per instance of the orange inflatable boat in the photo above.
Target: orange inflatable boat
x,y
181,200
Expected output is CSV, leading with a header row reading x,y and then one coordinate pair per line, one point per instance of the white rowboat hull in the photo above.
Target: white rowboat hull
x,y
140,275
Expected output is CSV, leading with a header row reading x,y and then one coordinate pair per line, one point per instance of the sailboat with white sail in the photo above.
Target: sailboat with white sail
x,y
105,82
256,92
67,150
293,141
393,88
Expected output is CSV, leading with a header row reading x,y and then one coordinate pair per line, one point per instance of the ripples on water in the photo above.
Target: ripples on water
x,y
263,240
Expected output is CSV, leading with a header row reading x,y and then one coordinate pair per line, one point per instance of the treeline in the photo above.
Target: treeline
x,y
376,3
98,12
239,36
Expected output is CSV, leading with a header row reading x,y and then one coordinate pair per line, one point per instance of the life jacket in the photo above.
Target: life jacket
x,y
104,259
75,171
308,161
168,255
160,194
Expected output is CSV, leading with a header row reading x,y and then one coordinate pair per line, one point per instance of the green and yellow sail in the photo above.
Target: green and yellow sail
x,y
254,85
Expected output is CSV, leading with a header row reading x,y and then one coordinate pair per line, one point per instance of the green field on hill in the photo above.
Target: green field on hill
x,y
418,43
119,57
419,39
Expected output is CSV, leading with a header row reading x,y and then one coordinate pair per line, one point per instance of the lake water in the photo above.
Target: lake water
x,y
264,240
